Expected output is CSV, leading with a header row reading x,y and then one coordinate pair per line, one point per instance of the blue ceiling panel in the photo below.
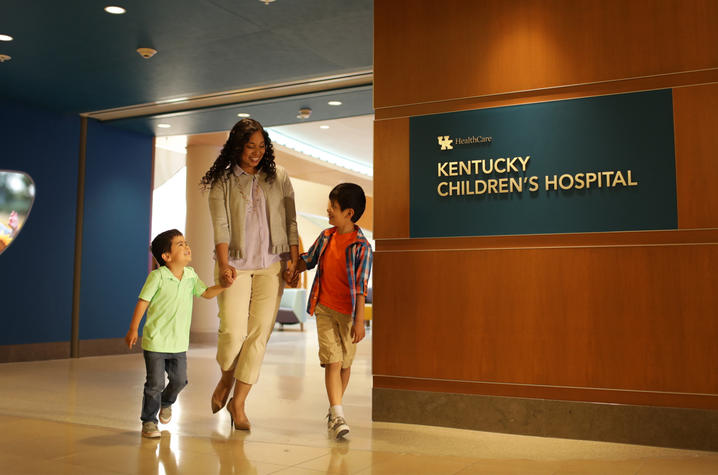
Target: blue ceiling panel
x,y
75,57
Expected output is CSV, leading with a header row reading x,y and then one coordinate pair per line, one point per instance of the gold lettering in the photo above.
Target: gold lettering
x,y
468,188
579,181
442,169
517,185
561,181
464,168
590,178
492,185
483,187
454,189
619,177
533,183
630,180
550,182
496,165
452,169
475,163
524,162
491,167
503,185
438,189
608,177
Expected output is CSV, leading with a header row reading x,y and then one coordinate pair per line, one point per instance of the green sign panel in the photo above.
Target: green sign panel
x,y
582,165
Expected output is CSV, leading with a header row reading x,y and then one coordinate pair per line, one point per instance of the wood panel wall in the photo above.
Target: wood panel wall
x,y
625,317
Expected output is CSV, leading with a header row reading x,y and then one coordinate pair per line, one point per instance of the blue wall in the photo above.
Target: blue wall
x,y
116,229
36,270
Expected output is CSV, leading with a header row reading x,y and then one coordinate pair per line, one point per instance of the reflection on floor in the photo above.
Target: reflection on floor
x,y
82,417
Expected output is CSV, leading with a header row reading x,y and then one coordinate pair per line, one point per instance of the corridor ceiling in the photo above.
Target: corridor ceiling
x,y
73,57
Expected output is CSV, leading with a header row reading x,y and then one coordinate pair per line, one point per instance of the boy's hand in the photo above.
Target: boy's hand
x,y
227,279
227,275
290,274
358,331
131,338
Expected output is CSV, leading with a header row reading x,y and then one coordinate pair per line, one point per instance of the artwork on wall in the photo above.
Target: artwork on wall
x,y
17,194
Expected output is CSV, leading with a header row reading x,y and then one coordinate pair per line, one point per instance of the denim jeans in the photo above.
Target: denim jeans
x,y
156,394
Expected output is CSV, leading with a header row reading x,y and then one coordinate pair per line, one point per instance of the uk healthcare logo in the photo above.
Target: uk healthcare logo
x,y
445,142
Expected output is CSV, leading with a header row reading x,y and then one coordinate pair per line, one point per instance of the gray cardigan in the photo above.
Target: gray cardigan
x,y
228,208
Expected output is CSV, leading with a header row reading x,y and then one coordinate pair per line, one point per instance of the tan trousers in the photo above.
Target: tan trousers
x,y
247,311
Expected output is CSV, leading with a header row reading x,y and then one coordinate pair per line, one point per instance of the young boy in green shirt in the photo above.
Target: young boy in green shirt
x,y
167,297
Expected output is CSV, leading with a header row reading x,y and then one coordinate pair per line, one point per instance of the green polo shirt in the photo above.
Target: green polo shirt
x,y
170,311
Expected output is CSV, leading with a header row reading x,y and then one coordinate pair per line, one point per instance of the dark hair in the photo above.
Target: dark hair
x,y
349,195
232,152
163,243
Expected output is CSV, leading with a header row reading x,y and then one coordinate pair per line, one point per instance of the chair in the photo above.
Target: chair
x,y
292,308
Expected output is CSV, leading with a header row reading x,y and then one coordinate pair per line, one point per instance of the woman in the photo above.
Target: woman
x,y
251,202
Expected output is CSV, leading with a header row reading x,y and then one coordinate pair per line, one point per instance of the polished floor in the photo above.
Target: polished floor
x,y
81,417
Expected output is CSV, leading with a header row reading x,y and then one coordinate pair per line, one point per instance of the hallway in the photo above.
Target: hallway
x,y
81,416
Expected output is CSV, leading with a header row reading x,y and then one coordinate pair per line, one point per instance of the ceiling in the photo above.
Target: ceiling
x,y
215,59
73,56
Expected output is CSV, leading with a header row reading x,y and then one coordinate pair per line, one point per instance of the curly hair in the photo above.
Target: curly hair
x,y
232,152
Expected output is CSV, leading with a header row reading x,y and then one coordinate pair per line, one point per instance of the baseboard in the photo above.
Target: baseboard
x,y
645,425
34,352
107,346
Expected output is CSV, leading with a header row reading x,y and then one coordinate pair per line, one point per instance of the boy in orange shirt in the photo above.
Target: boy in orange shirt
x,y
344,259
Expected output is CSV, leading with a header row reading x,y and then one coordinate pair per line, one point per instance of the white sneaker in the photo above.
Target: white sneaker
x,y
165,414
338,427
149,430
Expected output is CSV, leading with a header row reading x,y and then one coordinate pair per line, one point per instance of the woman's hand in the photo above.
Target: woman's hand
x,y
290,275
227,274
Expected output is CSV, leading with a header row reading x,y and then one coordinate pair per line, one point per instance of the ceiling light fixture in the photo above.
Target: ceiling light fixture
x,y
115,10
164,126
304,113
6,38
266,2
242,114
323,126
4,57
147,53
334,103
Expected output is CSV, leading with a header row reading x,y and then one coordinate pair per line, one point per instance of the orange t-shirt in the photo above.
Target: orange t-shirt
x,y
334,289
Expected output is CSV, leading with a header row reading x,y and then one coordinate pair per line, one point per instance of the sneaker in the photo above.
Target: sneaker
x,y
338,427
165,414
329,420
149,430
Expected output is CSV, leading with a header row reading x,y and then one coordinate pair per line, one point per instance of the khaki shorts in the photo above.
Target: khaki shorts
x,y
334,330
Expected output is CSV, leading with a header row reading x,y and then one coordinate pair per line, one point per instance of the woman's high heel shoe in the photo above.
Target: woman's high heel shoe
x,y
237,425
219,403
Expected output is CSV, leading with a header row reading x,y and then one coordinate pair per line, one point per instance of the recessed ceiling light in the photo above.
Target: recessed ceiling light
x,y
164,126
242,114
323,126
115,10
334,103
6,38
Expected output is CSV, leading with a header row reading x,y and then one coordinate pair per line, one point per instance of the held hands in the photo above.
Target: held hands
x,y
131,338
291,275
227,275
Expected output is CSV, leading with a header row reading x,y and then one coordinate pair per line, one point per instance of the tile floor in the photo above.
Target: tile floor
x,y
81,416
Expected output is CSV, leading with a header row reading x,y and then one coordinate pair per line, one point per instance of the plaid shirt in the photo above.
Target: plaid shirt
x,y
359,257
